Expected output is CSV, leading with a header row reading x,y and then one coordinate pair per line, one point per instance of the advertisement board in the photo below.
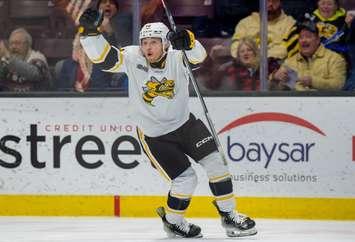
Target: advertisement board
x,y
275,146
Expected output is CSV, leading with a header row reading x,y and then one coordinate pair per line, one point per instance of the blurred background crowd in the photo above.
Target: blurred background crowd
x,y
310,43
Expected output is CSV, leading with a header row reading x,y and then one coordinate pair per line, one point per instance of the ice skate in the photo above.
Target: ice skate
x,y
183,230
236,225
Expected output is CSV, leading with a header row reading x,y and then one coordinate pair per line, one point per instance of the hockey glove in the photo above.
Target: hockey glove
x,y
90,22
181,39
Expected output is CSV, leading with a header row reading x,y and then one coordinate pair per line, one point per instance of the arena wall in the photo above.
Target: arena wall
x,y
290,157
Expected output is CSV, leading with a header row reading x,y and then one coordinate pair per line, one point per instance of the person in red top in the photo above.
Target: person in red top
x,y
240,73
243,72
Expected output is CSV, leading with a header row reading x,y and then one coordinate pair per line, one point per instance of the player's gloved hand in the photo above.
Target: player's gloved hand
x,y
90,22
181,39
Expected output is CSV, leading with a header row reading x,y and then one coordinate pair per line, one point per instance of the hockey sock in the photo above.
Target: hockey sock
x,y
176,208
182,188
220,181
223,192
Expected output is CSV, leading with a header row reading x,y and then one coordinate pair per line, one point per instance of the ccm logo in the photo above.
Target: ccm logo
x,y
205,140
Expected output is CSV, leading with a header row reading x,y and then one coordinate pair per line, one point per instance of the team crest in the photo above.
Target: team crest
x,y
154,88
326,30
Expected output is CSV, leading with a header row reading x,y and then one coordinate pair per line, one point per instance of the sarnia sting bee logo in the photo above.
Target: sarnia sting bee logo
x,y
154,88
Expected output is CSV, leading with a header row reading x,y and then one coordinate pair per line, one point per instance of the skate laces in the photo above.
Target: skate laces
x,y
183,226
237,218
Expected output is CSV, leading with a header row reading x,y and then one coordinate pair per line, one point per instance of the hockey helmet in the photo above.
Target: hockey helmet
x,y
155,30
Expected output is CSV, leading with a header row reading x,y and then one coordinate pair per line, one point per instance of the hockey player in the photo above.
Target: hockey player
x,y
168,132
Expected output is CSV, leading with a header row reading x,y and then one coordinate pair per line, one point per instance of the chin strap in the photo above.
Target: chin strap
x,y
160,64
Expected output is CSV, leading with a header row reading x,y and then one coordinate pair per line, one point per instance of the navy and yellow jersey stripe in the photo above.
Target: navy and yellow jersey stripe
x,y
331,26
290,40
150,156
96,47
101,53
101,58
113,61
339,14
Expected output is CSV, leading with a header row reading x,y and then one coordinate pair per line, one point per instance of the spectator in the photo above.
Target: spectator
x,y
117,25
278,24
242,73
314,67
77,74
117,28
74,73
22,69
334,24
152,11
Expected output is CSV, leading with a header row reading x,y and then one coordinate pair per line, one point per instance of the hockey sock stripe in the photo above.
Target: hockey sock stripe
x,y
180,212
225,197
178,204
150,155
219,178
221,188
180,196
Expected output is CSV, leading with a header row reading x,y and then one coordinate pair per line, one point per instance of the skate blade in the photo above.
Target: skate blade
x,y
175,236
241,233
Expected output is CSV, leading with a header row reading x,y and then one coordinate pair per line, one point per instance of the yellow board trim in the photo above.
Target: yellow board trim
x,y
56,205
256,207
201,206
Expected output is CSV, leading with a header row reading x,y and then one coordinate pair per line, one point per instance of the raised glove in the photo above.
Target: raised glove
x,y
90,22
181,39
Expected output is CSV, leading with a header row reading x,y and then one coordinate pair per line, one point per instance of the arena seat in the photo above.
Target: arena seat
x,y
54,49
3,19
191,8
29,9
208,43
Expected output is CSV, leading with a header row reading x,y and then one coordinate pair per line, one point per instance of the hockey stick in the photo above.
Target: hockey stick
x,y
196,88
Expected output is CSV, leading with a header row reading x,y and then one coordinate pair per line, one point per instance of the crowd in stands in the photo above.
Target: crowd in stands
x,y
311,44
309,53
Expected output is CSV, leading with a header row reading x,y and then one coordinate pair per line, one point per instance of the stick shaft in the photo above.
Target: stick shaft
x,y
196,88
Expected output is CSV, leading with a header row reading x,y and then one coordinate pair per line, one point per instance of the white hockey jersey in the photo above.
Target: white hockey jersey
x,y
158,97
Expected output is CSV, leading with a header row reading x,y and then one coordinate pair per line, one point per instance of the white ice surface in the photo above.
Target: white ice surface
x,y
99,229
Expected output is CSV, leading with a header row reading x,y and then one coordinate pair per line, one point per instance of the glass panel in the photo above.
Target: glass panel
x,y
220,25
